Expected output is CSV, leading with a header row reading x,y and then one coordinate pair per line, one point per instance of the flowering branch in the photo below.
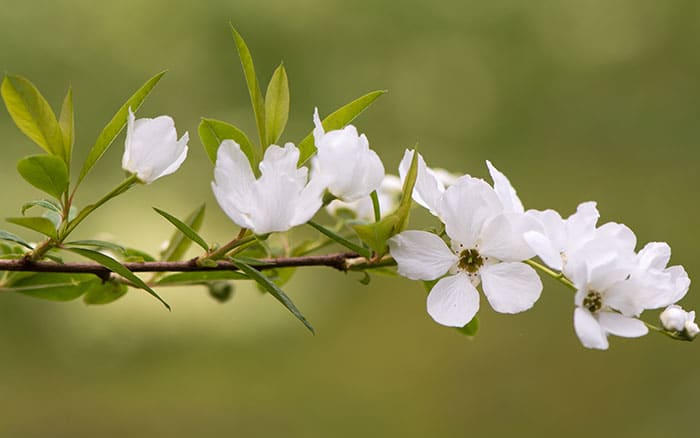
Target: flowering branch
x,y
344,261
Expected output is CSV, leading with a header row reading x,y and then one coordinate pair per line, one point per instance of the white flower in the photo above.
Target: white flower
x,y
277,201
598,282
350,168
388,194
675,319
486,247
152,149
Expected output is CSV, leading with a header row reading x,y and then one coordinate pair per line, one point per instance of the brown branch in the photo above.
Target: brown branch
x,y
341,261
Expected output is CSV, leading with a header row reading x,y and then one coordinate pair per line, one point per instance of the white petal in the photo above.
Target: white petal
x,y
181,154
428,189
465,207
453,301
506,193
510,287
502,237
544,249
421,255
589,330
620,325
309,202
233,183
654,255
584,220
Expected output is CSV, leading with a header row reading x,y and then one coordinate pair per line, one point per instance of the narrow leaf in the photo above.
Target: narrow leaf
x,y
341,240
67,124
44,203
179,244
45,172
32,114
184,228
39,224
104,293
276,105
213,132
404,209
54,287
116,267
10,237
256,97
115,126
337,120
273,289
182,278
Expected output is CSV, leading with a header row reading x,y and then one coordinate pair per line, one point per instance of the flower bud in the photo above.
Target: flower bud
x,y
152,149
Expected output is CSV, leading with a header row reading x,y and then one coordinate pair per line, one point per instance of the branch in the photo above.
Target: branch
x,y
340,261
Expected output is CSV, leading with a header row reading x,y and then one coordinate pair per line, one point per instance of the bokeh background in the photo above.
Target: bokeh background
x,y
574,100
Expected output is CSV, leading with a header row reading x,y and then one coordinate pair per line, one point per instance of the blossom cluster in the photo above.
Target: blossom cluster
x,y
488,239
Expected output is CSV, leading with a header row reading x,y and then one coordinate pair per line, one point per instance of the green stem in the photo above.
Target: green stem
x,y
85,212
554,274
241,239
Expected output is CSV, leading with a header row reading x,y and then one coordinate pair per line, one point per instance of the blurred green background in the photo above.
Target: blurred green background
x,y
573,100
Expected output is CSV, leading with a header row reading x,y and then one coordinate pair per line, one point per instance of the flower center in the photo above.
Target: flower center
x,y
593,301
470,261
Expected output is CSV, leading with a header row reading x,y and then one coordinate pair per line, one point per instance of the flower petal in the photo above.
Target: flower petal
x,y
589,330
233,183
505,191
428,189
620,325
421,255
465,207
502,237
453,301
510,287
544,249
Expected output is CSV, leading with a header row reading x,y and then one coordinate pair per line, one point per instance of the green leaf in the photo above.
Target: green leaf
x,y
337,120
276,105
184,228
375,206
273,289
44,203
341,240
179,244
32,114
213,132
55,287
67,124
116,267
104,293
115,126
376,234
39,224
256,97
183,278
404,209
471,328
10,237
365,278
221,291
46,173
